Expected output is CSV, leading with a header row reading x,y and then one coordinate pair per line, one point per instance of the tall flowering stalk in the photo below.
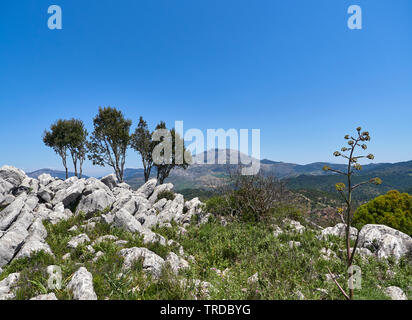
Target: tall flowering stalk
x,y
348,152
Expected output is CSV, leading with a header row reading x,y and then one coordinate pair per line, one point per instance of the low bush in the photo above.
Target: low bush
x,y
393,209
166,194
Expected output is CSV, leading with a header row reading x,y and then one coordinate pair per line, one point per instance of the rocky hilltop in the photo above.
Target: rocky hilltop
x,y
28,206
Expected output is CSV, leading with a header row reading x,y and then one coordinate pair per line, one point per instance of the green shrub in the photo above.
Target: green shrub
x,y
217,205
166,194
393,210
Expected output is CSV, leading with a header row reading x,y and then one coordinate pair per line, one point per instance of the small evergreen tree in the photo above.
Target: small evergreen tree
x,y
110,140
141,141
58,139
169,152
77,144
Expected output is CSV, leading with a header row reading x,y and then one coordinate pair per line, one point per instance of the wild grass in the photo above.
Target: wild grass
x,y
242,249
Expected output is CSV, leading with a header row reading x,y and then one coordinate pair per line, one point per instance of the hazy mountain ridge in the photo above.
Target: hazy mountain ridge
x,y
54,173
309,176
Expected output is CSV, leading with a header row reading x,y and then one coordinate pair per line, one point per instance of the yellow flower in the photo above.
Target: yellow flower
x,y
340,186
376,181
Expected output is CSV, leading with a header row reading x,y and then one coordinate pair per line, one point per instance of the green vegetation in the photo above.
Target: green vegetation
x,y
169,152
393,209
166,194
141,141
163,149
110,140
346,191
68,135
225,257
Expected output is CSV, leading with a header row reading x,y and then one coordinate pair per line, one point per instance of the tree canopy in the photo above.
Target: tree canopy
x,y
141,141
169,152
110,140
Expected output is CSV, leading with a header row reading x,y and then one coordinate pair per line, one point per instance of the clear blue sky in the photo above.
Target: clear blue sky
x,y
290,68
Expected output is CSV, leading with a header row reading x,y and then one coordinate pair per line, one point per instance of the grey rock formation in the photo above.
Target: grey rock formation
x,y
124,220
7,285
12,175
97,201
78,240
81,285
395,293
176,263
49,296
152,263
45,179
147,189
340,231
110,181
293,226
384,241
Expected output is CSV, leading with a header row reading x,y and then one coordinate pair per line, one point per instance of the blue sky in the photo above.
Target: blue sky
x,y
290,68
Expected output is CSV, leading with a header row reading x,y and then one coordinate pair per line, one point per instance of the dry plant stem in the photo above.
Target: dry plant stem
x,y
338,285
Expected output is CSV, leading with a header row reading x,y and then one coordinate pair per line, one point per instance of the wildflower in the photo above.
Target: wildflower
x,y
340,186
357,166
376,181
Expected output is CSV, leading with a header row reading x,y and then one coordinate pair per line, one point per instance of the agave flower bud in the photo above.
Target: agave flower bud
x,y
326,168
376,181
358,129
365,133
367,138
337,154
347,137
344,149
340,186
370,156
350,142
354,160
364,147
357,166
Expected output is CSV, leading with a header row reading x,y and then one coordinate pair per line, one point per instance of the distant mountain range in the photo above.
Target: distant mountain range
x,y
54,173
310,176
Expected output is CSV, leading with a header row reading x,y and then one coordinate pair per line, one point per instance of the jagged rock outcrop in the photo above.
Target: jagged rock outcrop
x,y
151,262
293,226
81,285
8,285
26,202
395,293
49,296
385,242
339,231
